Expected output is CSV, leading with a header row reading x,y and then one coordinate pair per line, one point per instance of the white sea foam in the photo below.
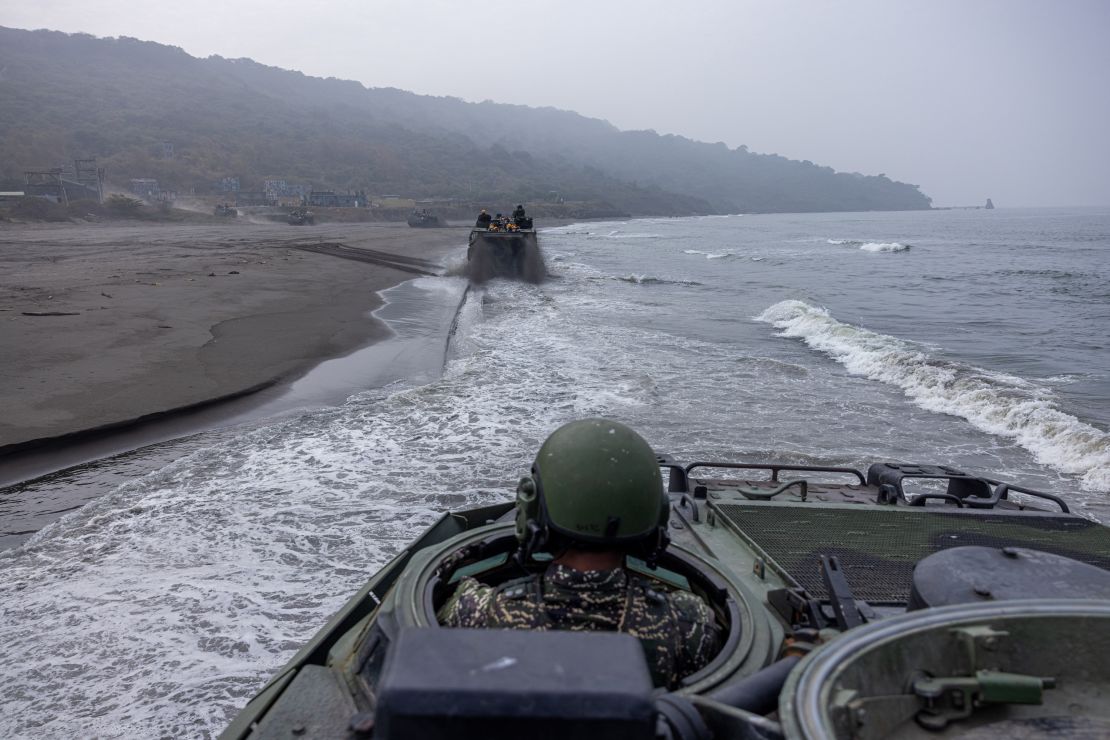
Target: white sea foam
x,y
649,280
569,229
884,247
618,234
709,255
996,403
444,285
1065,379
871,246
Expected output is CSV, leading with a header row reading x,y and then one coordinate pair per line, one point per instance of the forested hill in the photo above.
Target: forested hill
x,y
66,96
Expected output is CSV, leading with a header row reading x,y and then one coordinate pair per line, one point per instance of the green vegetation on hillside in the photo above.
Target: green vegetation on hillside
x,y
68,96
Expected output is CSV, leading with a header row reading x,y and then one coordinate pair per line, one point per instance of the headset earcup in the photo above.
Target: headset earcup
x,y
657,544
527,507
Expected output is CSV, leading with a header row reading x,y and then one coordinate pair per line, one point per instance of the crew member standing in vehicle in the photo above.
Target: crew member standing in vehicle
x,y
594,497
483,220
518,212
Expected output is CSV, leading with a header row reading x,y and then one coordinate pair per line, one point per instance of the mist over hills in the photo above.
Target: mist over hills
x,y
66,96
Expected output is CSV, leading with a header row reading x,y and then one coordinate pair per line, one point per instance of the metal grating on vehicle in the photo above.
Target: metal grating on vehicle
x,y
878,546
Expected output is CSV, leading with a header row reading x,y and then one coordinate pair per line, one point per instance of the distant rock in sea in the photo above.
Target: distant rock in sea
x,y
990,205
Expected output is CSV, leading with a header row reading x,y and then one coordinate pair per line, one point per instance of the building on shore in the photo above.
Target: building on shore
x,y
148,189
392,201
143,187
279,188
254,198
331,199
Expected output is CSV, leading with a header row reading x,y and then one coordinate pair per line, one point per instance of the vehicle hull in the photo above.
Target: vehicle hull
x,y
426,222
508,254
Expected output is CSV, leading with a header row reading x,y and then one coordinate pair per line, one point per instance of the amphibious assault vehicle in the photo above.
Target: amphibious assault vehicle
x,y
505,252
301,217
224,210
422,219
911,601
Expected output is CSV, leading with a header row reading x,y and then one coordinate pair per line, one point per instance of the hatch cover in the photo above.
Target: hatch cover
x,y
878,547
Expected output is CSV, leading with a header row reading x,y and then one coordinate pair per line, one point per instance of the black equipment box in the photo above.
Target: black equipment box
x,y
494,684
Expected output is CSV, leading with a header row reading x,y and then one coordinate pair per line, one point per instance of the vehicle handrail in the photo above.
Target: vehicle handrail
x,y
1002,491
776,467
919,500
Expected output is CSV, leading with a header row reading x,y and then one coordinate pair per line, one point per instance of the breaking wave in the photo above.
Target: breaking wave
x,y
648,280
871,246
709,255
884,247
618,234
996,403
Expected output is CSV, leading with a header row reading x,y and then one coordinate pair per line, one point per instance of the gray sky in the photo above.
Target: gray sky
x,y
970,99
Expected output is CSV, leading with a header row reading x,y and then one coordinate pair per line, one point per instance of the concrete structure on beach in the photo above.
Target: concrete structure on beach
x,y
63,185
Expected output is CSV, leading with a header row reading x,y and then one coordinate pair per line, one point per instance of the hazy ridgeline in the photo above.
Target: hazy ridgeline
x,y
68,96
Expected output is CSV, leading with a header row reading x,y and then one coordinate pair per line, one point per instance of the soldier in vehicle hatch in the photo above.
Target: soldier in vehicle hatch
x,y
483,220
518,213
594,497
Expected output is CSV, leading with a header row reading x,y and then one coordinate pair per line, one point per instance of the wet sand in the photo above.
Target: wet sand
x,y
106,324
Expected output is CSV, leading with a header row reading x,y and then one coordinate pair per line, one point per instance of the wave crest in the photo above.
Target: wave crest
x,y
649,280
871,246
709,255
996,403
618,234
884,247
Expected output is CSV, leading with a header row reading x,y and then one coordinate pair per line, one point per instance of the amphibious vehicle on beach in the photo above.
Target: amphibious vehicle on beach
x,y
422,219
225,211
301,217
508,250
912,601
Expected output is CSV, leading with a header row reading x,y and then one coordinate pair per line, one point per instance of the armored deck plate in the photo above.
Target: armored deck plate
x,y
878,547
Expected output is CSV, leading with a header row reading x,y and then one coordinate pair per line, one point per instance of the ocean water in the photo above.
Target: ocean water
x,y
976,339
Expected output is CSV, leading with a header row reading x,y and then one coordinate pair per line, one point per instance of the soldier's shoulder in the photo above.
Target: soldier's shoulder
x,y
467,604
518,588
472,587
690,606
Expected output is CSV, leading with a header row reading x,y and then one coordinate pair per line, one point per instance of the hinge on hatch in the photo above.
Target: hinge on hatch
x,y
956,697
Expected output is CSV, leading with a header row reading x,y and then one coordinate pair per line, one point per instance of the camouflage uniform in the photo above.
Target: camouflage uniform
x,y
676,628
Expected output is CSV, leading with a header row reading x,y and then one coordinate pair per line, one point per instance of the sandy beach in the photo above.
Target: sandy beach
x,y
104,324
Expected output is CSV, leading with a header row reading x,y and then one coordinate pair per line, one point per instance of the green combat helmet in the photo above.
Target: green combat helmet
x,y
595,483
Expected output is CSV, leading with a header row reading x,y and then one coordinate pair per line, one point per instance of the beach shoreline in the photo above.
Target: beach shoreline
x,y
106,326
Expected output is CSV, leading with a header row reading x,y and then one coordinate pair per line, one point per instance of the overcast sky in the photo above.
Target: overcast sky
x,y
969,99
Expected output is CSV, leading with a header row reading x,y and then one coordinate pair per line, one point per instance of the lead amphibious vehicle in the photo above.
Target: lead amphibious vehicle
x,y
301,217
422,219
910,601
505,251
